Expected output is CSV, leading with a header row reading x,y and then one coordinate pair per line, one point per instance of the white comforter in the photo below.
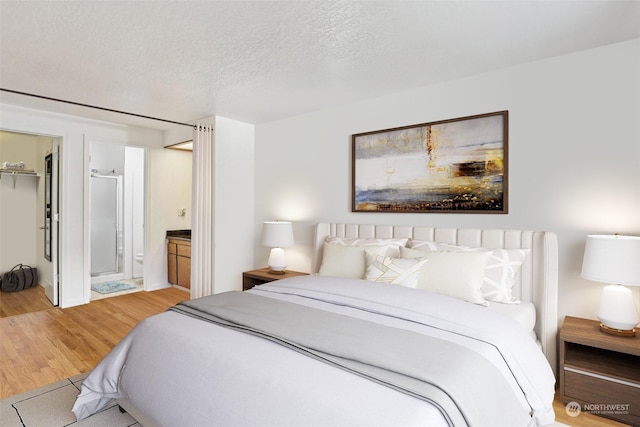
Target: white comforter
x,y
178,371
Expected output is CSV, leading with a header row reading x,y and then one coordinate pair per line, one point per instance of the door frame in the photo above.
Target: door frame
x,y
52,293
88,139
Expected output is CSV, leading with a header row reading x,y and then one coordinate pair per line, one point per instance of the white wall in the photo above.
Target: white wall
x,y
574,157
74,268
233,205
21,210
134,171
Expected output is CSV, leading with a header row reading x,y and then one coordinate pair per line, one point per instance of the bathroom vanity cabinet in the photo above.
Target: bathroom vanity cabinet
x,y
179,261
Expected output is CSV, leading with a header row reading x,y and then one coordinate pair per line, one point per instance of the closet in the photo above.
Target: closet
x,y
25,234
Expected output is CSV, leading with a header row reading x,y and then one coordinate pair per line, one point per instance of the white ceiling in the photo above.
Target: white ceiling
x,y
258,61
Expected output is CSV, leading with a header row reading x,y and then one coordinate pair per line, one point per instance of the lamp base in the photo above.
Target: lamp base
x,y
276,271
618,332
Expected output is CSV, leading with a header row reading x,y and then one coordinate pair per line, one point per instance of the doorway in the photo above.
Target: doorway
x,y
29,216
117,194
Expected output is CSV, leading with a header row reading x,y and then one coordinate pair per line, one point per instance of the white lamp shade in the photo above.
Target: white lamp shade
x,y
612,259
277,234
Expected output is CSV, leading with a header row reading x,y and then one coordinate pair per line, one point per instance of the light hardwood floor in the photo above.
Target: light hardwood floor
x,y
25,301
48,345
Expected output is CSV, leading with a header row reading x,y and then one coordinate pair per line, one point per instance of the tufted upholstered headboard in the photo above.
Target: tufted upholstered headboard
x,y
537,281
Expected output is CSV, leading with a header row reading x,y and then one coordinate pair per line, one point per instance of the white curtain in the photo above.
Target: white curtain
x,y
202,211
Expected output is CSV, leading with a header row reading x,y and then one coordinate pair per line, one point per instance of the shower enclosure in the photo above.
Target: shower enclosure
x,y
116,192
106,224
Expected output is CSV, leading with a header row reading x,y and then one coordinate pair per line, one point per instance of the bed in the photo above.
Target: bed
x,y
392,347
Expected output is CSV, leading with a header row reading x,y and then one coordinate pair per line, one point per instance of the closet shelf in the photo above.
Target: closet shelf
x,y
16,174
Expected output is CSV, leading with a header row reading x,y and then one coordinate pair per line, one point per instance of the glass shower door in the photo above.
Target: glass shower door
x,y
106,196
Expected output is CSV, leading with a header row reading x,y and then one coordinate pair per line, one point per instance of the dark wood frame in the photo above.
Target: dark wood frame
x,y
458,203
48,223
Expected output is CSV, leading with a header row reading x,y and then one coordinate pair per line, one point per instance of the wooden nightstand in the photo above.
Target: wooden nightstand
x,y
599,371
262,275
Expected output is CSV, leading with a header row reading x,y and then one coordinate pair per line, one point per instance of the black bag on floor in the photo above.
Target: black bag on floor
x,y
20,277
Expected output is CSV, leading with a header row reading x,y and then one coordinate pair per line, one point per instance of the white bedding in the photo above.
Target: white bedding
x,y
177,370
523,313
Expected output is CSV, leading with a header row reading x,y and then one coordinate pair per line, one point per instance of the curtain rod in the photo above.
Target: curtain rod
x,y
97,108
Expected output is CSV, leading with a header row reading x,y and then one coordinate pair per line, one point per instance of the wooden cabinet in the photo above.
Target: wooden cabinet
x,y
262,275
179,262
172,263
601,372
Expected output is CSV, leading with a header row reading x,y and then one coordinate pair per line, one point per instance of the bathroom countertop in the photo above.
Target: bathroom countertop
x,y
179,234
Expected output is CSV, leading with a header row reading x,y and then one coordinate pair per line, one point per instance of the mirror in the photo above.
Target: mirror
x,y
48,167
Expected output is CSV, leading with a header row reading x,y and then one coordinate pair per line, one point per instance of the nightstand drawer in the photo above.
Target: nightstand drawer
x,y
604,391
600,371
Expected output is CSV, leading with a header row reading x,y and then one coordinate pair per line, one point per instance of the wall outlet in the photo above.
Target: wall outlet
x,y
182,211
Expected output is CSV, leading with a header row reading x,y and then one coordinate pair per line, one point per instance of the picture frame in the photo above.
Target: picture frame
x,y
450,166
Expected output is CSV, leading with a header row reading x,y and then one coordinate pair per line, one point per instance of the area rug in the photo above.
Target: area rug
x,y
110,287
50,406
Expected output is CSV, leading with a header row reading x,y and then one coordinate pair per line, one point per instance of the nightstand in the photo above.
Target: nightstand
x,y
599,371
262,275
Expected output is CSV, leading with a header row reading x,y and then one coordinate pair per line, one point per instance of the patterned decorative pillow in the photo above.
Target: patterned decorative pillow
x,y
393,243
499,276
394,271
500,273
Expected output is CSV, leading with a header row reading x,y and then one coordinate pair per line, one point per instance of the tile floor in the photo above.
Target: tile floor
x,y
50,406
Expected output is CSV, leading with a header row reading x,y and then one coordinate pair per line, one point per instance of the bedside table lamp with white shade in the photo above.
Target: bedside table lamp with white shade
x,y
277,235
614,259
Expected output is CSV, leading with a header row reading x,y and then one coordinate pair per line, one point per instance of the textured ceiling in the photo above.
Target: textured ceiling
x,y
266,60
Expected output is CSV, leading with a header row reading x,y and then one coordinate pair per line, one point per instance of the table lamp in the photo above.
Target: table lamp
x,y
614,259
276,235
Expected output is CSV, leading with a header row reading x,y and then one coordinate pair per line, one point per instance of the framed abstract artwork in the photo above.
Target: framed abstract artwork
x,y
450,166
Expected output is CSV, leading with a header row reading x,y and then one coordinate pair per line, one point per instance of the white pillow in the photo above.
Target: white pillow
x,y
456,274
394,271
426,246
502,268
395,244
348,261
499,276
